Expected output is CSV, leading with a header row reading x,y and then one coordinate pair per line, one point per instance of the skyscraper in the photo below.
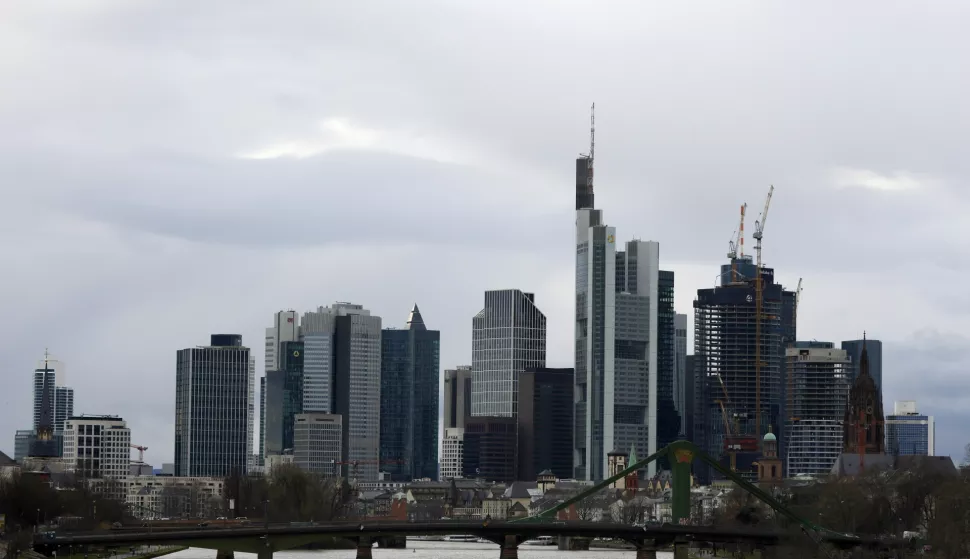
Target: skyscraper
x,y
508,337
726,342
864,423
49,377
285,328
409,400
213,400
817,391
99,447
458,397
284,398
545,423
874,352
680,370
909,432
342,375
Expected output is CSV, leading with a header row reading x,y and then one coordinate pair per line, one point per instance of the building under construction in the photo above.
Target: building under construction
x,y
731,393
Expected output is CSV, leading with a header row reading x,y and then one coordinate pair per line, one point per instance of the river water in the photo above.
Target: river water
x,y
433,550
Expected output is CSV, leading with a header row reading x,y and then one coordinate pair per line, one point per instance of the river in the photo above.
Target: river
x,y
433,550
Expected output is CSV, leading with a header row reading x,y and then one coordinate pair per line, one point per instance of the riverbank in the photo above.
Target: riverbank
x,y
159,552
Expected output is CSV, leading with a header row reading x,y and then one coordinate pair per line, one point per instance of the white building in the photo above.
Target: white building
x,y
317,442
98,447
452,445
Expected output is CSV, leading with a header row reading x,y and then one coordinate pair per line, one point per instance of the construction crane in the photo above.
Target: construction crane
x,y
737,244
759,228
141,452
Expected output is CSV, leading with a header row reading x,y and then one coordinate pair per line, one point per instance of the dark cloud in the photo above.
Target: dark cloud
x,y
439,141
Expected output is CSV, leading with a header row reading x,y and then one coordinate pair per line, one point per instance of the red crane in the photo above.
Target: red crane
x,y
141,452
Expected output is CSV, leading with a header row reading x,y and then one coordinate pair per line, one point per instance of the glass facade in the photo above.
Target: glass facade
x,y
409,400
545,423
508,337
212,397
668,418
910,434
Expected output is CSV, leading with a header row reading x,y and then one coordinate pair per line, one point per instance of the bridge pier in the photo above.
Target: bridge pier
x,y
365,545
265,554
646,553
510,548
224,554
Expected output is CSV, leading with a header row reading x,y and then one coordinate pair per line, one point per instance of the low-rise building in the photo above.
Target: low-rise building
x,y
155,497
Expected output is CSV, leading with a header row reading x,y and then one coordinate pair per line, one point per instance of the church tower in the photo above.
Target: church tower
x,y
863,429
769,465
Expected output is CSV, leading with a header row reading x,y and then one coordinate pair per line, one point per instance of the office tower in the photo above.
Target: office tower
x,y
317,442
63,407
639,396
212,408
285,328
261,441
689,406
452,455
909,432
725,347
874,353
342,376
284,398
545,423
22,440
46,442
50,375
489,449
251,410
817,392
98,447
508,337
595,321
680,371
409,400
457,399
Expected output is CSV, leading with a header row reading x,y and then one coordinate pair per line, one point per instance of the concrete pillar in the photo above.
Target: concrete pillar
x,y
510,548
365,547
265,553
224,554
646,553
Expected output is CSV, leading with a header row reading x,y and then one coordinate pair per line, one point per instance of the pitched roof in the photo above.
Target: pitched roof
x,y
6,461
415,322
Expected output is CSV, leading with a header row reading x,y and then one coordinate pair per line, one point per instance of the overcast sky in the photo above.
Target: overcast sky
x,y
171,169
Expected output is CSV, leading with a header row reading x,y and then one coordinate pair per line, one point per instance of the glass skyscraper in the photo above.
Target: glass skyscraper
x,y
508,337
909,432
212,408
409,400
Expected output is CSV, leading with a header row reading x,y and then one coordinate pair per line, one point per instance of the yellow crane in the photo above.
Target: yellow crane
x,y
759,227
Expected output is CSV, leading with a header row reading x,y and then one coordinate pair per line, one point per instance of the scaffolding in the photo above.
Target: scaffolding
x,y
818,389
725,350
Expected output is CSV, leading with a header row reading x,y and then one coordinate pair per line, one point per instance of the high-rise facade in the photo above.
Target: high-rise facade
x,y
99,448
874,352
317,442
489,449
909,432
285,328
342,375
452,454
49,377
689,407
284,398
410,368
817,392
728,342
680,371
213,397
545,423
457,399
508,337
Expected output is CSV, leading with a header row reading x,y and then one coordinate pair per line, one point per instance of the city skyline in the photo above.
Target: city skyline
x,y
131,212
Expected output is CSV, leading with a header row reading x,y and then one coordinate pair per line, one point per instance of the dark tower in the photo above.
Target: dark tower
x,y
864,424
44,445
584,170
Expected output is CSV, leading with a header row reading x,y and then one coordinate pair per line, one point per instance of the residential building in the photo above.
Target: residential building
x,y
157,497
680,371
545,423
817,392
342,375
874,354
452,455
98,447
318,439
457,399
489,449
212,408
729,343
508,337
909,432
410,369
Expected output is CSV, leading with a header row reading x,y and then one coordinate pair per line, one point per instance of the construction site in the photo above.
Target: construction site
x,y
741,329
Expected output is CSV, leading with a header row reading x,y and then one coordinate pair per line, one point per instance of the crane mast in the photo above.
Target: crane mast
x,y
759,226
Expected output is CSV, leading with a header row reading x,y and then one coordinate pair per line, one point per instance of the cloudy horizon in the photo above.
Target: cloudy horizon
x,y
172,170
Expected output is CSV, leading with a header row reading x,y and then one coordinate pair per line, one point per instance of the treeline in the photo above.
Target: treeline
x,y
289,494
885,504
